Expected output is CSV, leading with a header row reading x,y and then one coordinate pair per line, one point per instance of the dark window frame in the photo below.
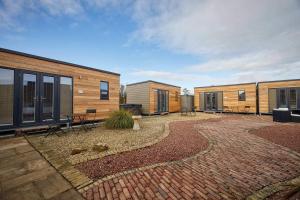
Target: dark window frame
x,y
239,97
104,98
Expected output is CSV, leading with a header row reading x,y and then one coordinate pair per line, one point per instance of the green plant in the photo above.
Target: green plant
x,y
119,120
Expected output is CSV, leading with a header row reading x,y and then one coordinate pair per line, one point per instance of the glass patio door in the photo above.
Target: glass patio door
x,y
162,101
29,98
211,101
47,98
38,92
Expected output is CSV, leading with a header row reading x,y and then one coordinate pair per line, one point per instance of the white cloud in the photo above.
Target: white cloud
x,y
254,40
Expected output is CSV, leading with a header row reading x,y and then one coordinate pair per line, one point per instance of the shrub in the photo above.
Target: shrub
x,y
119,120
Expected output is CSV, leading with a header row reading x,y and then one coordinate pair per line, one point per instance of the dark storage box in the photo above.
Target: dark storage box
x,y
281,115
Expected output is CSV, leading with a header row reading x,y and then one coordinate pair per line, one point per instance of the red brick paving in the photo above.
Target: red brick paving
x,y
237,165
176,146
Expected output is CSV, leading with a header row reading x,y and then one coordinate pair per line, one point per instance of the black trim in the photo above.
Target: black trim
x,y
55,61
150,81
225,85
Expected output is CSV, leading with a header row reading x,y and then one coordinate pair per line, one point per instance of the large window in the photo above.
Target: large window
x,y
242,95
293,99
282,98
6,96
104,90
66,97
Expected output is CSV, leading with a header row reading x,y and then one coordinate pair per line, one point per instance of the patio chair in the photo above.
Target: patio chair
x,y
54,129
91,113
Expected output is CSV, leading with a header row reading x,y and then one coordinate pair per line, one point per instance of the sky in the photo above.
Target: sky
x,y
186,43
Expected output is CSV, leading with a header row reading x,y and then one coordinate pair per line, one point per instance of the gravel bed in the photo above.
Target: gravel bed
x,y
117,140
287,135
182,141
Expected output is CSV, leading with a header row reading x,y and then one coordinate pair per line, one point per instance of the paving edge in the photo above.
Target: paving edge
x,y
211,143
274,188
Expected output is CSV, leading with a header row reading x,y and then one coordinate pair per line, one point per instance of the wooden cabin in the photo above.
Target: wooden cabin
x,y
155,97
239,98
278,94
36,91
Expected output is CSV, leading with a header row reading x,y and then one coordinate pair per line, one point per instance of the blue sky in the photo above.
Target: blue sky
x,y
186,43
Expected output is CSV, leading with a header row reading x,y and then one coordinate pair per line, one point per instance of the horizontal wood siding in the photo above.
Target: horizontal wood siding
x,y
263,92
230,96
174,104
87,81
139,94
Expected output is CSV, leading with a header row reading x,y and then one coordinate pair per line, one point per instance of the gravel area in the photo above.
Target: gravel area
x,y
287,135
182,141
152,132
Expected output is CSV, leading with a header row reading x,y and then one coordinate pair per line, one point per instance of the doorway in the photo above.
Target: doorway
x,y
211,103
38,98
162,101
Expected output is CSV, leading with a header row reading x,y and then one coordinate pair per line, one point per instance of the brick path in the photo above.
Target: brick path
x,y
237,165
25,174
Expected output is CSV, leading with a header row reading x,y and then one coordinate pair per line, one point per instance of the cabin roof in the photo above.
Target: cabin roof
x,y
278,81
151,81
226,85
55,61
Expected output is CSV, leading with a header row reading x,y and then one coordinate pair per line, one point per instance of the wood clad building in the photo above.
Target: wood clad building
x,y
279,94
35,90
155,97
232,98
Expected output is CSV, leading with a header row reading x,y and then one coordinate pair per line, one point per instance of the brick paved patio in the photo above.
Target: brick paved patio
x,y
237,165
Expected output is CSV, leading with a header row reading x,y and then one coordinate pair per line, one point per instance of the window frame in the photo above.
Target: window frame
x,y
239,99
107,98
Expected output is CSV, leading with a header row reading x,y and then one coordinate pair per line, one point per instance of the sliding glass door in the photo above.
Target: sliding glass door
x,y
284,98
162,101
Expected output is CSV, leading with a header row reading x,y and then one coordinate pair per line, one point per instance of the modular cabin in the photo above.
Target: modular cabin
x,y
278,94
37,91
155,97
239,98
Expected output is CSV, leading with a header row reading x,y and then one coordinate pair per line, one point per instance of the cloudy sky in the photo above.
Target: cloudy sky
x,y
187,43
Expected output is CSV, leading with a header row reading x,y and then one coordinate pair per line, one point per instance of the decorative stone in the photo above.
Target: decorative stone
x,y
136,125
100,147
77,151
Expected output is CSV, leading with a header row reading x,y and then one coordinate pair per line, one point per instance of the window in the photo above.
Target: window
x,y
282,98
66,97
242,95
293,99
6,96
104,90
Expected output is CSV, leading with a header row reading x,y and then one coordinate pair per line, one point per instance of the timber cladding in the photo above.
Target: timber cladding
x,y
145,93
86,81
174,98
263,91
230,96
